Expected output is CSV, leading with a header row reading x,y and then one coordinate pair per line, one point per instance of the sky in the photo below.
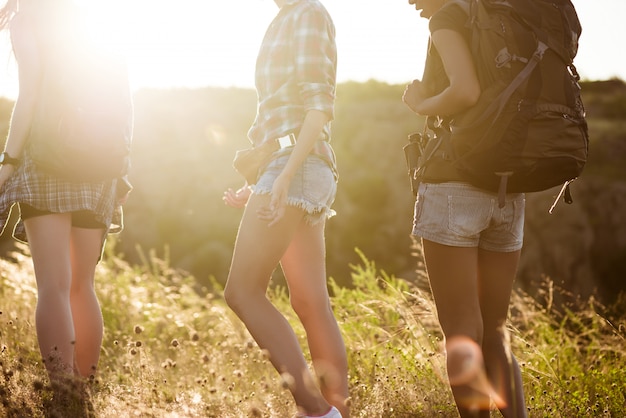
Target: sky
x,y
198,43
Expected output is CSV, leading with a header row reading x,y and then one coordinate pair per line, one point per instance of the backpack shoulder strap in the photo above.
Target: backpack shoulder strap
x,y
496,106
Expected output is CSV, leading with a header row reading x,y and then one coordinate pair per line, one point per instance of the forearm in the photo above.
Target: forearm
x,y
312,127
450,101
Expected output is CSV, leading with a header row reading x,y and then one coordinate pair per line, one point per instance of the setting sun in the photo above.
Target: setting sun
x,y
184,44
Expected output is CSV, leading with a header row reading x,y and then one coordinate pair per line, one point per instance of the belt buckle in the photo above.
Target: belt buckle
x,y
286,141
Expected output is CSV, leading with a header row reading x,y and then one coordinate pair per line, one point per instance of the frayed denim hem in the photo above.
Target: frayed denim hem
x,y
315,213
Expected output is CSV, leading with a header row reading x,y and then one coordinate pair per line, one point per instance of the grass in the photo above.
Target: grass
x,y
172,348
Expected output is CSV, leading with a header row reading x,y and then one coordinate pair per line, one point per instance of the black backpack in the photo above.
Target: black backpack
x,y
82,128
527,132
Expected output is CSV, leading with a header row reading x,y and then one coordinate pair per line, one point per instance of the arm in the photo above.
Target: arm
x,y
29,70
315,72
314,122
464,89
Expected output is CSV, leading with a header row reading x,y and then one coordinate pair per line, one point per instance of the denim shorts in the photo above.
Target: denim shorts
x,y
313,187
461,215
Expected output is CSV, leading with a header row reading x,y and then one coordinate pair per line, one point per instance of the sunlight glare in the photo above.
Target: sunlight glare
x,y
182,44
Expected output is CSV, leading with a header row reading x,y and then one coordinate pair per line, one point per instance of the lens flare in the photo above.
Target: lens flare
x,y
466,373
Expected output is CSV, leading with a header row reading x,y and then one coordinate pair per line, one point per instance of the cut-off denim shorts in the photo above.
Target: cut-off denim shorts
x,y
461,215
313,187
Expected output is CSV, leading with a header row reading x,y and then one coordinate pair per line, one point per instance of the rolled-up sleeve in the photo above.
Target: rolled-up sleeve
x,y
315,61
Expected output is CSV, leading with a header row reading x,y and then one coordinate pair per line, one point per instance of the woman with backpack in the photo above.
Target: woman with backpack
x,y
471,246
284,217
65,222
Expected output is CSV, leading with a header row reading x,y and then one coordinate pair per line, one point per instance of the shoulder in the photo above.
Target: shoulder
x,y
453,15
311,13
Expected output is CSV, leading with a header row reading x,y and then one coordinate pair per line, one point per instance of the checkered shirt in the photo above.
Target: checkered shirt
x,y
295,70
33,187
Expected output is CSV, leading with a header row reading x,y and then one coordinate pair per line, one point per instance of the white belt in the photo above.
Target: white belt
x,y
286,141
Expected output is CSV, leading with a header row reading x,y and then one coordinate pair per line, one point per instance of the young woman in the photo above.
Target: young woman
x,y
65,222
284,217
471,246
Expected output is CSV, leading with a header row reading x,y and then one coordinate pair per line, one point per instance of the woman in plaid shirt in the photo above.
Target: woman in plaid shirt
x,y
285,211
65,222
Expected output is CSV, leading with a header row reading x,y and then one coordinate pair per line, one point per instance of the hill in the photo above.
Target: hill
x,y
185,141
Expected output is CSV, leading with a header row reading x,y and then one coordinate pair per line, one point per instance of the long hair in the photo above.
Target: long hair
x,y
7,13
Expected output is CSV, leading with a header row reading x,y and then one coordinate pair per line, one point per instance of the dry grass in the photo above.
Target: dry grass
x,y
173,349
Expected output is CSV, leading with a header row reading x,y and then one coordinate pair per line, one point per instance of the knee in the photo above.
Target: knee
x,y
307,307
241,298
79,286
54,284
232,297
464,328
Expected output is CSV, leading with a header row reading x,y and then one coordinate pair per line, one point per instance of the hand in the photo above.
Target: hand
x,y
238,198
413,95
278,202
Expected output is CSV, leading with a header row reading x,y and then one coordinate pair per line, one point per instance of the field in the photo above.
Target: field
x,y
172,349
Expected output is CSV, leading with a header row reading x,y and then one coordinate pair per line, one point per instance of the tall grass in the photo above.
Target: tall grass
x,y
174,349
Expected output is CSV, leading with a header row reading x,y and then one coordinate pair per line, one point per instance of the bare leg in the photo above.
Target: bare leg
x,y
497,272
49,238
88,327
452,273
257,252
304,265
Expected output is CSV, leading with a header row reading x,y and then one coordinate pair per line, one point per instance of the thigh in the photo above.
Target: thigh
x,y
259,248
452,273
49,242
85,250
496,271
304,263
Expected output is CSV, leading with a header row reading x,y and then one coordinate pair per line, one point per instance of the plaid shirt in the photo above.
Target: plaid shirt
x,y
29,185
295,70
